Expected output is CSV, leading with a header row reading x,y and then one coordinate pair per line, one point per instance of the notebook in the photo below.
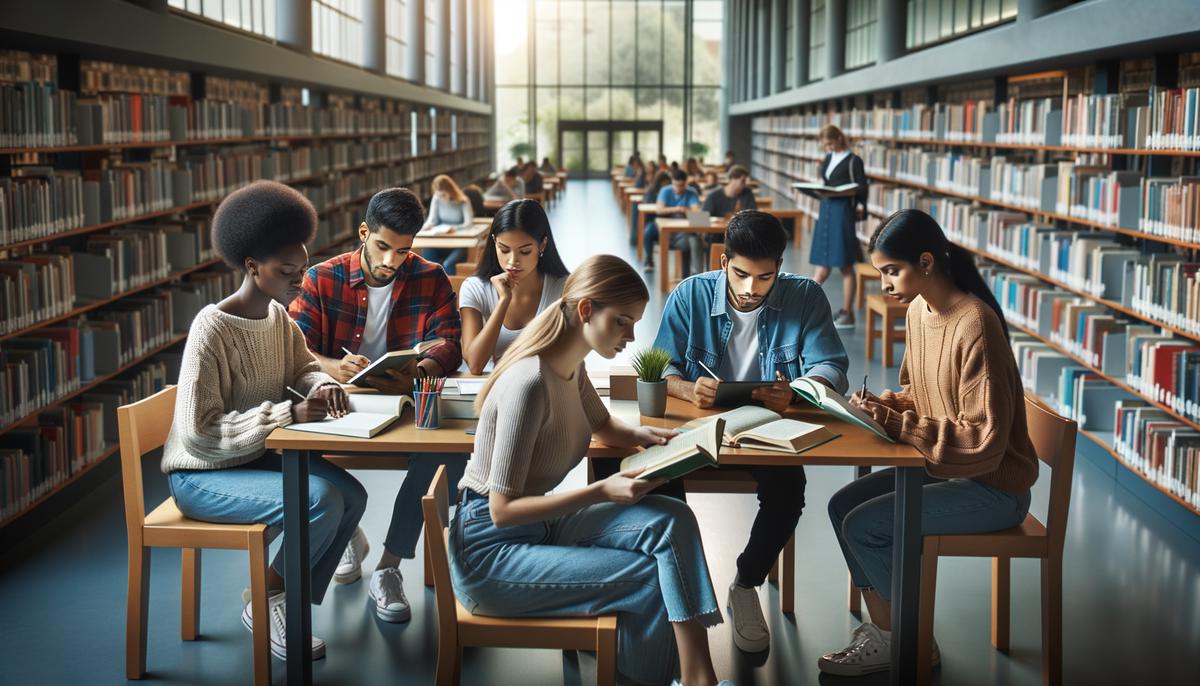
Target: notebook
x,y
439,230
397,359
687,452
370,413
762,429
837,405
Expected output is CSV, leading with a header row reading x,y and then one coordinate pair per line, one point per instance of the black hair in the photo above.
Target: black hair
x,y
513,171
755,235
528,216
678,174
475,195
737,171
908,234
656,184
396,209
260,221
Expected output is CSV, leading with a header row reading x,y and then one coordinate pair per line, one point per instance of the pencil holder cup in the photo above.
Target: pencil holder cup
x,y
426,409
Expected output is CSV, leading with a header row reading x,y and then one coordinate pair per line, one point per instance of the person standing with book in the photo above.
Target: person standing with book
x,y
748,321
517,549
353,309
960,404
834,242
243,360
449,207
519,274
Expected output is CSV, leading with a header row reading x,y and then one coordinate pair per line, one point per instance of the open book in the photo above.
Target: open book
x,y
687,452
397,359
837,405
762,429
812,188
369,414
439,230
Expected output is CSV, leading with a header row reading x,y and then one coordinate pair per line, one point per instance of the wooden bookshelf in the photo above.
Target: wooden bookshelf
x,y
992,144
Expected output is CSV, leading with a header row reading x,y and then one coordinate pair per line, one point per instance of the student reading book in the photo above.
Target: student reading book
x,y
396,360
691,450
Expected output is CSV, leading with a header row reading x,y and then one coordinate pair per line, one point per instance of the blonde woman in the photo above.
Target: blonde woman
x,y
834,243
452,209
517,549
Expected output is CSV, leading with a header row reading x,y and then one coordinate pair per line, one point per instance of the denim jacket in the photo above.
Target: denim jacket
x,y
795,330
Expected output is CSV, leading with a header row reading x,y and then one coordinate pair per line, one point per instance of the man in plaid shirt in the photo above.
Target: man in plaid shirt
x,y
353,309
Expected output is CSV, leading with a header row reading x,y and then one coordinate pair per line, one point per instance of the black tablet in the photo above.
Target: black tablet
x,y
737,393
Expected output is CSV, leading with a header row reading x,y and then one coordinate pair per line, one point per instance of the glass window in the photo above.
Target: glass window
x,y
933,21
545,38
433,18
860,33
337,29
674,38
597,37
706,120
816,40
512,53
649,43
254,16
396,36
624,44
547,123
789,38
706,43
512,117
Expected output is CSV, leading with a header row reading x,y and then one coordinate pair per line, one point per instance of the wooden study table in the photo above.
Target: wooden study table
x,y
855,447
471,239
671,225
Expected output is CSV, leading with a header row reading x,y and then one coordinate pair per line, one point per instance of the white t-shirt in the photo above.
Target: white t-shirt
x,y
835,158
740,362
374,335
479,294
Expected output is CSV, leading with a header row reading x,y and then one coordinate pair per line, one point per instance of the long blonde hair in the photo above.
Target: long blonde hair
x,y
605,280
442,182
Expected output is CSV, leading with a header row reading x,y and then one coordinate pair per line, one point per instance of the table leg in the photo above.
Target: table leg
x,y
296,570
906,574
641,232
664,237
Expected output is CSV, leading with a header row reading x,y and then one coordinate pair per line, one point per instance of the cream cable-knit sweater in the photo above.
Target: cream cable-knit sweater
x,y
233,387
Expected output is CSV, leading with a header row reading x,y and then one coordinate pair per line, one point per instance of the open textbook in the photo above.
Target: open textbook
x,y
837,405
762,429
687,452
369,414
811,188
397,359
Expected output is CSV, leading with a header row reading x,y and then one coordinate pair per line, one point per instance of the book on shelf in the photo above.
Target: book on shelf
x,y
836,404
1163,449
761,429
692,449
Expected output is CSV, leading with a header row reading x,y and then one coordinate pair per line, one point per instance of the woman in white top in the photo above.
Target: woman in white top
x,y
518,276
449,208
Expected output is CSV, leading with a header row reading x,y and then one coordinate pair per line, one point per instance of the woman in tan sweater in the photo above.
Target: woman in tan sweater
x,y
959,403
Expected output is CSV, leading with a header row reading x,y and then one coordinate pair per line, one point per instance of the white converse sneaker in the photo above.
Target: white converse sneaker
x,y
724,682
349,569
278,617
868,652
750,631
387,590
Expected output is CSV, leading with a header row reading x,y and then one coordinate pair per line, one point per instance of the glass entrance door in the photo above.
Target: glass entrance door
x,y
593,148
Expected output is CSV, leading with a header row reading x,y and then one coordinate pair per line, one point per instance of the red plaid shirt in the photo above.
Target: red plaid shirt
x,y
332,308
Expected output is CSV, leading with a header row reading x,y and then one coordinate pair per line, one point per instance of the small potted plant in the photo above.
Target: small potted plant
x,y
521,150
650,364
698,150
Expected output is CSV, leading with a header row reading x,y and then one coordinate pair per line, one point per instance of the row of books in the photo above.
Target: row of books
x,y
66,439
54,362
1162,448
810,148
1116,120
1099,194
1174,119
35,114
1171,208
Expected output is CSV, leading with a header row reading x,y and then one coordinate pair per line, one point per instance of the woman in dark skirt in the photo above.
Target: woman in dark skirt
x,y
834,243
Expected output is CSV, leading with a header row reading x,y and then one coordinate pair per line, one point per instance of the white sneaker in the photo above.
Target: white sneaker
x,y
869,651
349,569
387,590
724,682
278,616
750,631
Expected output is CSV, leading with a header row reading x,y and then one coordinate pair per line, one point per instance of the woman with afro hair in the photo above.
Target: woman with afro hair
x,y
242,355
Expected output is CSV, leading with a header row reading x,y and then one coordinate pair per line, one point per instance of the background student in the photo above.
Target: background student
x,y
531,177
519,550
548,167
675,199
450,207
241,357
660,180
960,403
735,196
835,243
748,321
508,187
357,306
519,274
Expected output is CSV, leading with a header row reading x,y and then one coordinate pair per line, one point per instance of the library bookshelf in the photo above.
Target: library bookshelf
x,y
1044,178
111,172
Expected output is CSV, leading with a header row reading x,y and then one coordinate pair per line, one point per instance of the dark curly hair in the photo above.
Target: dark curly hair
x,y
396,209
260,221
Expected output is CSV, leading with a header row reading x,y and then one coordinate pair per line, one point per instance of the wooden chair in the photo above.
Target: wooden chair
x,y
143,427
458,628
891,313
1053,439
714,256
465,268
864,274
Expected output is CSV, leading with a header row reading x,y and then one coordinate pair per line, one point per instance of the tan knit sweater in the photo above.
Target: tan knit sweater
x,y
233,387
961,401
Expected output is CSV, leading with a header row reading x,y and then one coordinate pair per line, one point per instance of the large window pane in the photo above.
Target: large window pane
x,y
674,38
816,40
546,38
395,31
706,120
597,104
547,123
571,103
571,42
512,113
512,53
623,103
860,33
624,38
649,104
673,123
706,44
598,57
255,16
337,29
933,21
649,44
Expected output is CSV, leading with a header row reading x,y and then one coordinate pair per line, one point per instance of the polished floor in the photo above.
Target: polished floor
x,y
1131,601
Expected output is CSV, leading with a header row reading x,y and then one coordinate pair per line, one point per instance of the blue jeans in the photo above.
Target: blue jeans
x,y
862,513
691,244
253,493
643,562
407,519
447,257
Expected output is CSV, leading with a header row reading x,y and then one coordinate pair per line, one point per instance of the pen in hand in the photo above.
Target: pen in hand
x,y
710,372
862,394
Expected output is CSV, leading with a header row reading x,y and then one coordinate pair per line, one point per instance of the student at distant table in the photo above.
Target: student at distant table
x,y
508,187
449,207
548,167
729,160
734,197
519,274
748,321
676,199
521,546
960,403
353,309
531,177
242,356
657,182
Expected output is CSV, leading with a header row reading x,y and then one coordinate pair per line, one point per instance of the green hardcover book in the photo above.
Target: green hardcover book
x,y
687,452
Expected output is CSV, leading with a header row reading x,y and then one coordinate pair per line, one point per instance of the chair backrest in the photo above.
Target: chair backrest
x,y
714,256
1053,438
465,268
456,284
142,426
435,506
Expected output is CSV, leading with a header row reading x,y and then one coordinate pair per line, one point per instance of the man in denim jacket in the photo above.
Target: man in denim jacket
x,y
750,322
